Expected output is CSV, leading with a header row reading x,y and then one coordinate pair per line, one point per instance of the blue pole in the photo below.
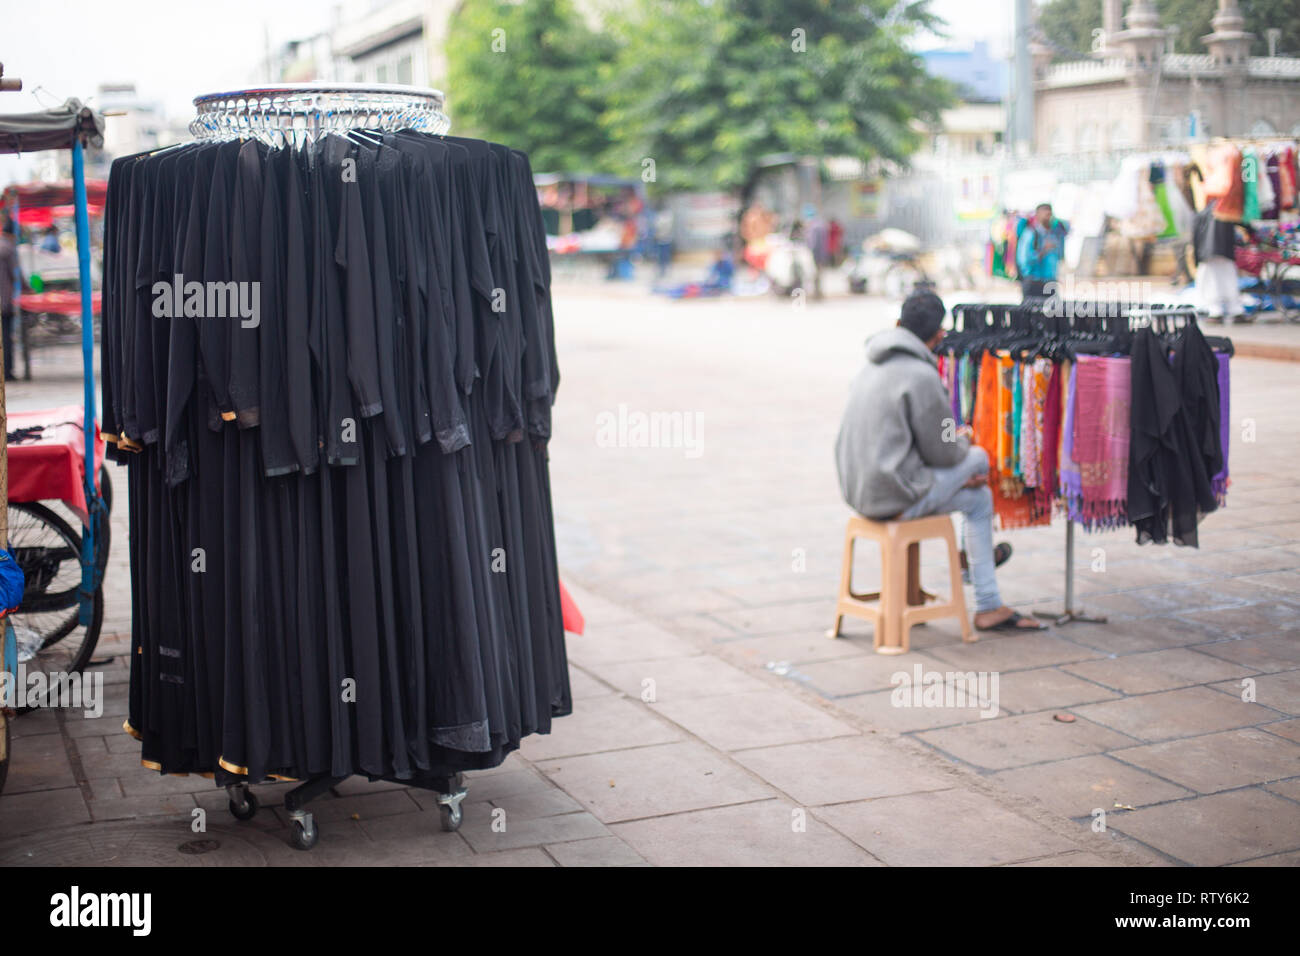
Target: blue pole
x,y
88,568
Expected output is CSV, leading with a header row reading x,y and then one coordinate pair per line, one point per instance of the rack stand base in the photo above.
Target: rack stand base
x,y
303,833
1070,614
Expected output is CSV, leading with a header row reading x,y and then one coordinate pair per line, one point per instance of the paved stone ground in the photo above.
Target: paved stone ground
x,y
714,722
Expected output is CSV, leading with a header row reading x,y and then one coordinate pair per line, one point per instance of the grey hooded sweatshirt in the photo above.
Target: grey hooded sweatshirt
x,y
894,428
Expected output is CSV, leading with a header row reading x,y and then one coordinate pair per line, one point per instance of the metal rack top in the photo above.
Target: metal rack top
x,y
299,112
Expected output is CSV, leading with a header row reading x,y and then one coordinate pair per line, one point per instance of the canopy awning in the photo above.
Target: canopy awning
x,y
51,129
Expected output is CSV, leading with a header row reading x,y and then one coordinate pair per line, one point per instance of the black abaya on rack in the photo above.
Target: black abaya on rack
x,y
342,543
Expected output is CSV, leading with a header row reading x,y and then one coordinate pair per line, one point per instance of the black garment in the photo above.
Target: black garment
x,y
342,545
1174,444
1212,237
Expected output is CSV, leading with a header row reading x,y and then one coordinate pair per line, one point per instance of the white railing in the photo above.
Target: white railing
x,y
1274,66
1080,72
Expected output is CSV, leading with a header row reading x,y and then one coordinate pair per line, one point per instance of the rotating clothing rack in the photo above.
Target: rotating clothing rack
x,y
1055,317
457,662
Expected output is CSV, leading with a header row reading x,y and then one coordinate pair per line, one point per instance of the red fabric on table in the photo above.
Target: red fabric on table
x,y
52,466
59,303
573,620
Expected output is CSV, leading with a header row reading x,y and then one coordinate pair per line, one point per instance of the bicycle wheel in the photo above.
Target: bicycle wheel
x,y
49,553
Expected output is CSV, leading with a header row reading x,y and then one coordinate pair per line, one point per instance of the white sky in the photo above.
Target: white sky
x,y
173,50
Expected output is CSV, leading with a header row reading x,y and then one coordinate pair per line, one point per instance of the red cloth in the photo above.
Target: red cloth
x,y
62,303
1051,446
573,620
54,465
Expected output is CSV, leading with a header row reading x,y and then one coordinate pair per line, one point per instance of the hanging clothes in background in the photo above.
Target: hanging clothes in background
x,y
1108,438
1249,184
1176,438
1223,181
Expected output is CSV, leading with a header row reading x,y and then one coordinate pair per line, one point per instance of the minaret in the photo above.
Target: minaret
x,y
1142,42
1110,23
1229,44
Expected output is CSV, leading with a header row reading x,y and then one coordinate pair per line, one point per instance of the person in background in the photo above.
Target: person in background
x,y
1214,246
11,275
50,240
1038,252
899,457
663,237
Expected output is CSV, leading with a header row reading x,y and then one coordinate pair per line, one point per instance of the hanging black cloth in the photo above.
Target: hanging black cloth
x,y
342,541
1172,455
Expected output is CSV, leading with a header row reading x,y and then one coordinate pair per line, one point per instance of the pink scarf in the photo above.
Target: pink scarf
x,y
1103,390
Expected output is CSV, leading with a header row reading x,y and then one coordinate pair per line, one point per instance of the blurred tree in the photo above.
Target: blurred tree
x,y
706,87
524,74
1069,23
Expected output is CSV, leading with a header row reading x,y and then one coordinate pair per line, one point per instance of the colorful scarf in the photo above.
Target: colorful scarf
x,y
1051,444
1006,440
967,388
1103,392
1013,511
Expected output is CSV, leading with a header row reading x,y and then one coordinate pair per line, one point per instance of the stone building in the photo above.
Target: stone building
x,y
1135,93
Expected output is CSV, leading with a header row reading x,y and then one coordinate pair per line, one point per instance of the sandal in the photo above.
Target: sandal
x,y
1012,623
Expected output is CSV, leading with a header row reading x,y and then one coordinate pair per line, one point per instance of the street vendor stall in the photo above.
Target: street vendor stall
x,y
80,604
591,218
51,312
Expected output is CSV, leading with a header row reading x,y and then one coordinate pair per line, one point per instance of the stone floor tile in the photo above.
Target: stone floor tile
x,y
679,678
993,652
1157,670
1280,691
1217,829
845,769
1174,713
757,719
603,723
946,828
651,781
767,833
1017,741
601,851
1078,786
1215,762
1046,688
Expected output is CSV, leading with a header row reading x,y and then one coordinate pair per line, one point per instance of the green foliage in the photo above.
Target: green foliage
x,y
1069,23
707,88
703,87
539,92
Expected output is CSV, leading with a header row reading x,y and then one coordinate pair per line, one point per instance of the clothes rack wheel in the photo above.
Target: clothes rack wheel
x,y
243,802
302,831
451,794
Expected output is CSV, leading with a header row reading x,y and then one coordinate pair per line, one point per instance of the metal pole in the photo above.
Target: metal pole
x,y
1069,567
88,417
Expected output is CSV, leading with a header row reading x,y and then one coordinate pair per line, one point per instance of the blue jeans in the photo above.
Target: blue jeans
x,y
949,493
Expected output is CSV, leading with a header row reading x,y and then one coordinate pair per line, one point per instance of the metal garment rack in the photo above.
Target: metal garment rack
x,y
299,113
295,115
1063,311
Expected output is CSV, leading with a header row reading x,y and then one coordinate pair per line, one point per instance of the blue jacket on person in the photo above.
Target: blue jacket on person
x,y
1031,261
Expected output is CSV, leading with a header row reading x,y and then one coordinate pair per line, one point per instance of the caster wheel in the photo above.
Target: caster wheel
x,y
303,836
451,817
246,810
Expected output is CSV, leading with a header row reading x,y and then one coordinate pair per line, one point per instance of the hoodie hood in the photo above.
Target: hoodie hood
x,y
885,345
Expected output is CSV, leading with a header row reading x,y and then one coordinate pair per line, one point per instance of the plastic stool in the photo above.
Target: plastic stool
x,y
900,602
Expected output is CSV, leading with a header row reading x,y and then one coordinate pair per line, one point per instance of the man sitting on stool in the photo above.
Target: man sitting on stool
x,y
900,454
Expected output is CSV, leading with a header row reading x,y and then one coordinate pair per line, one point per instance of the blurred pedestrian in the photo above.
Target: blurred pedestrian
x,y
1038,252
1214,245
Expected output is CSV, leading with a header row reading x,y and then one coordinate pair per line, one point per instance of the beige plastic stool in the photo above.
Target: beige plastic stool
x,y
900,602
